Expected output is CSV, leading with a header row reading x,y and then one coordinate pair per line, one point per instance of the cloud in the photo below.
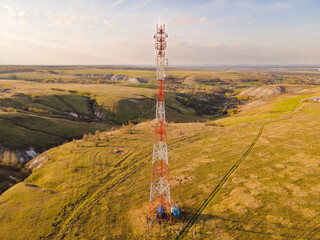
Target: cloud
x,y
117,2
186,21
16,14
71,20
109,22
279,5
140,4
131,6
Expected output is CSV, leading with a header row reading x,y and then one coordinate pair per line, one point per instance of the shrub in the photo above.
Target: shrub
x,y
9,109
10,158
97,134
85,136
232,111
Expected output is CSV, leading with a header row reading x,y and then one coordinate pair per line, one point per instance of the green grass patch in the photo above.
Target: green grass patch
x,y
141,85
289,104
234,120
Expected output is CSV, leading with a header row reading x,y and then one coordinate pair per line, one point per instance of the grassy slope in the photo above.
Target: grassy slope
x,y
115,98
112,97
100,192
35,115
41,118
65,74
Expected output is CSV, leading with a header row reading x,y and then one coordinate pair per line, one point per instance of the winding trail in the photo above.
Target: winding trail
x,y
119,173
184,232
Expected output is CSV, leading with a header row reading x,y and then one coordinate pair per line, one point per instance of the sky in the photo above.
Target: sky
x,y
120,32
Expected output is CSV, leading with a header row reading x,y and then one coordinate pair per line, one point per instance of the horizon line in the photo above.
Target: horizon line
x,y
173,66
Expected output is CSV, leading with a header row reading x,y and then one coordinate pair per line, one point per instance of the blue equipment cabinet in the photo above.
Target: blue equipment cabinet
x,y
160,212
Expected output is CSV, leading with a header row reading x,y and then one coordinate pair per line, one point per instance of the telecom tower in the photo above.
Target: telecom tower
x,y
160,187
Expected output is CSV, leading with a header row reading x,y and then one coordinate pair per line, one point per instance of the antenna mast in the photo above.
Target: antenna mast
x,y
160,187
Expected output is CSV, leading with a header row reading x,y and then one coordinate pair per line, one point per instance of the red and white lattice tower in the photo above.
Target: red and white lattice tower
x,y
160,187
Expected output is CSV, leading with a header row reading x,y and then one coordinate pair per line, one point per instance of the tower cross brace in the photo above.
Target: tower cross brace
x,y
160,186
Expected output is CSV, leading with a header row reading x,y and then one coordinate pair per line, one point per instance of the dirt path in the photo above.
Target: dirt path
x,y
118,174
184,232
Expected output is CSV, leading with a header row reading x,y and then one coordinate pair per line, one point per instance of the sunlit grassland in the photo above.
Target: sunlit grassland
x,y
76,168
245,119
42,110
35,76
206,74
273,195
289,104
112,97
66,75
33,114
114,71
98,188
19,131
268,108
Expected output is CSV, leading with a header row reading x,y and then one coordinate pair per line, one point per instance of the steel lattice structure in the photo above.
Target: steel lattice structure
x,y
160,187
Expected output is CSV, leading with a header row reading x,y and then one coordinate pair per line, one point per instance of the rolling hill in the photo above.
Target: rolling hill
x,y
39,116
250,176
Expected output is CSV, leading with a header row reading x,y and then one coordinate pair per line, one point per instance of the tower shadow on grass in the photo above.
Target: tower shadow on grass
x,y
207,225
